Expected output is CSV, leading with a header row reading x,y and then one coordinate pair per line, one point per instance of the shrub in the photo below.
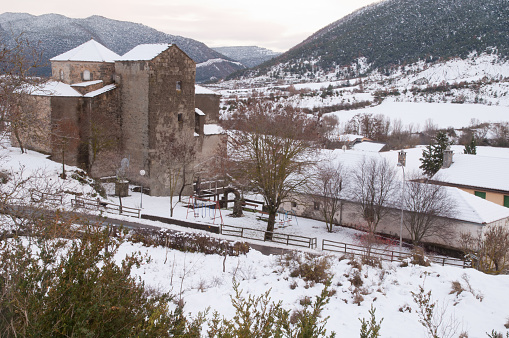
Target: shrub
x,y
260,317
188,242
71,287
356,279
310,267
418,257
370,329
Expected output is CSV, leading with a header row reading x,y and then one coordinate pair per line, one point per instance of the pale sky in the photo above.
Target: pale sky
x,y
274,24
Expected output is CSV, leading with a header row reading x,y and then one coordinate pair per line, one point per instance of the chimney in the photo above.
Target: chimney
x,y
402,158
447,158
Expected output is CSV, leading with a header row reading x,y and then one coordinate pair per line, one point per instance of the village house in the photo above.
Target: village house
x,y
482,176
104,108
471,214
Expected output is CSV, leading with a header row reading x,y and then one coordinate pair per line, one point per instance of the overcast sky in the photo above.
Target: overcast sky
x,y
274,24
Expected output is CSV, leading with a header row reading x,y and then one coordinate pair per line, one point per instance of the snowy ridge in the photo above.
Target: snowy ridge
x,y
216,61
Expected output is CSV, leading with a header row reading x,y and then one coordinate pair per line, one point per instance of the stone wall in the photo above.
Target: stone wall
x,y
101,130
37,133
209,104
73,71
132,79
68,111
350,215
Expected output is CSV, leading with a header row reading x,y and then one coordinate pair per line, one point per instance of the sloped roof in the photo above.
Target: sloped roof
x,y
476,171
55,88
145,52
212,129
100,90
91,51
368,146
469,207
202,90
476,209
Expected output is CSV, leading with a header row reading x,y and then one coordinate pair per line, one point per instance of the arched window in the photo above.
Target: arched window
x,y
61,75
179,86
86,75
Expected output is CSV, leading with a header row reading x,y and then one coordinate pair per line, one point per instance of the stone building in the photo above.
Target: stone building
x,y
129,106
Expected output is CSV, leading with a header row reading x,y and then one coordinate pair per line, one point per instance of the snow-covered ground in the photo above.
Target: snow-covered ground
x,y
200,281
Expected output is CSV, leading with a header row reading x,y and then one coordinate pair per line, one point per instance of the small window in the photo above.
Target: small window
x,y
87,76
180,118
506,201
61,75
294,204
480,194
179,86
316,205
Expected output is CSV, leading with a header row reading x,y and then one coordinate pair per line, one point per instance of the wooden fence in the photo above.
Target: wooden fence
x,y
259,235
385,254
90,204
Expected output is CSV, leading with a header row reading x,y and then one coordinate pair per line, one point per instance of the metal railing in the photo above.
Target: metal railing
x,y
90,204
259,235
386,254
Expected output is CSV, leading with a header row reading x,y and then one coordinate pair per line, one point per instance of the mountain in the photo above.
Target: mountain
x,y
396,32
56,34
250,56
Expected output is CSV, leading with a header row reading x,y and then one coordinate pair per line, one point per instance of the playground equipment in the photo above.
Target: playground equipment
x,y
204,208
285,217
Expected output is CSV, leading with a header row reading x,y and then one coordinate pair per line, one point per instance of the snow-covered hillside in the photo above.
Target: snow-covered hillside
x,y
467,300
457,93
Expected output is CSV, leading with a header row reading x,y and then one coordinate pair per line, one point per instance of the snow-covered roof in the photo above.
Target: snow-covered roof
x,y
475,209
203,90
349,137
100,90
369,146
145,52
469,207
86,84
212,129
199,112
55,88
476,171
91,51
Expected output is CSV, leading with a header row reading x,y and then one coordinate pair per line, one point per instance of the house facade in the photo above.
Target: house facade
x,y
113,108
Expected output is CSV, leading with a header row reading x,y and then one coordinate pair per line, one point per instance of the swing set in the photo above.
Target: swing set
x,y
204,208
285,217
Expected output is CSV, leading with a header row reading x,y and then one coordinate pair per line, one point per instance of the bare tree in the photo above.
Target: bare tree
x,y
328,186
17,64
176,156
426,208
374,127
374,183
489,249
270,145
65,135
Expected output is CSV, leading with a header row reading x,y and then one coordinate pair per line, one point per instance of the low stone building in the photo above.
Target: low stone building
x,y
109,107
468,213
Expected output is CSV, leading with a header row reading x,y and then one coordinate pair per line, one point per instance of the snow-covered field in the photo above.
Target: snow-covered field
x,y
199,279
441,114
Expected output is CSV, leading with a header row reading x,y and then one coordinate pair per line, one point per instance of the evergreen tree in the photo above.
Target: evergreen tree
x,y
433,156
471,148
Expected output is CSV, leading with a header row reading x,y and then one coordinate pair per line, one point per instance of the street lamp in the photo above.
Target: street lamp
x,y
142,173
402,163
